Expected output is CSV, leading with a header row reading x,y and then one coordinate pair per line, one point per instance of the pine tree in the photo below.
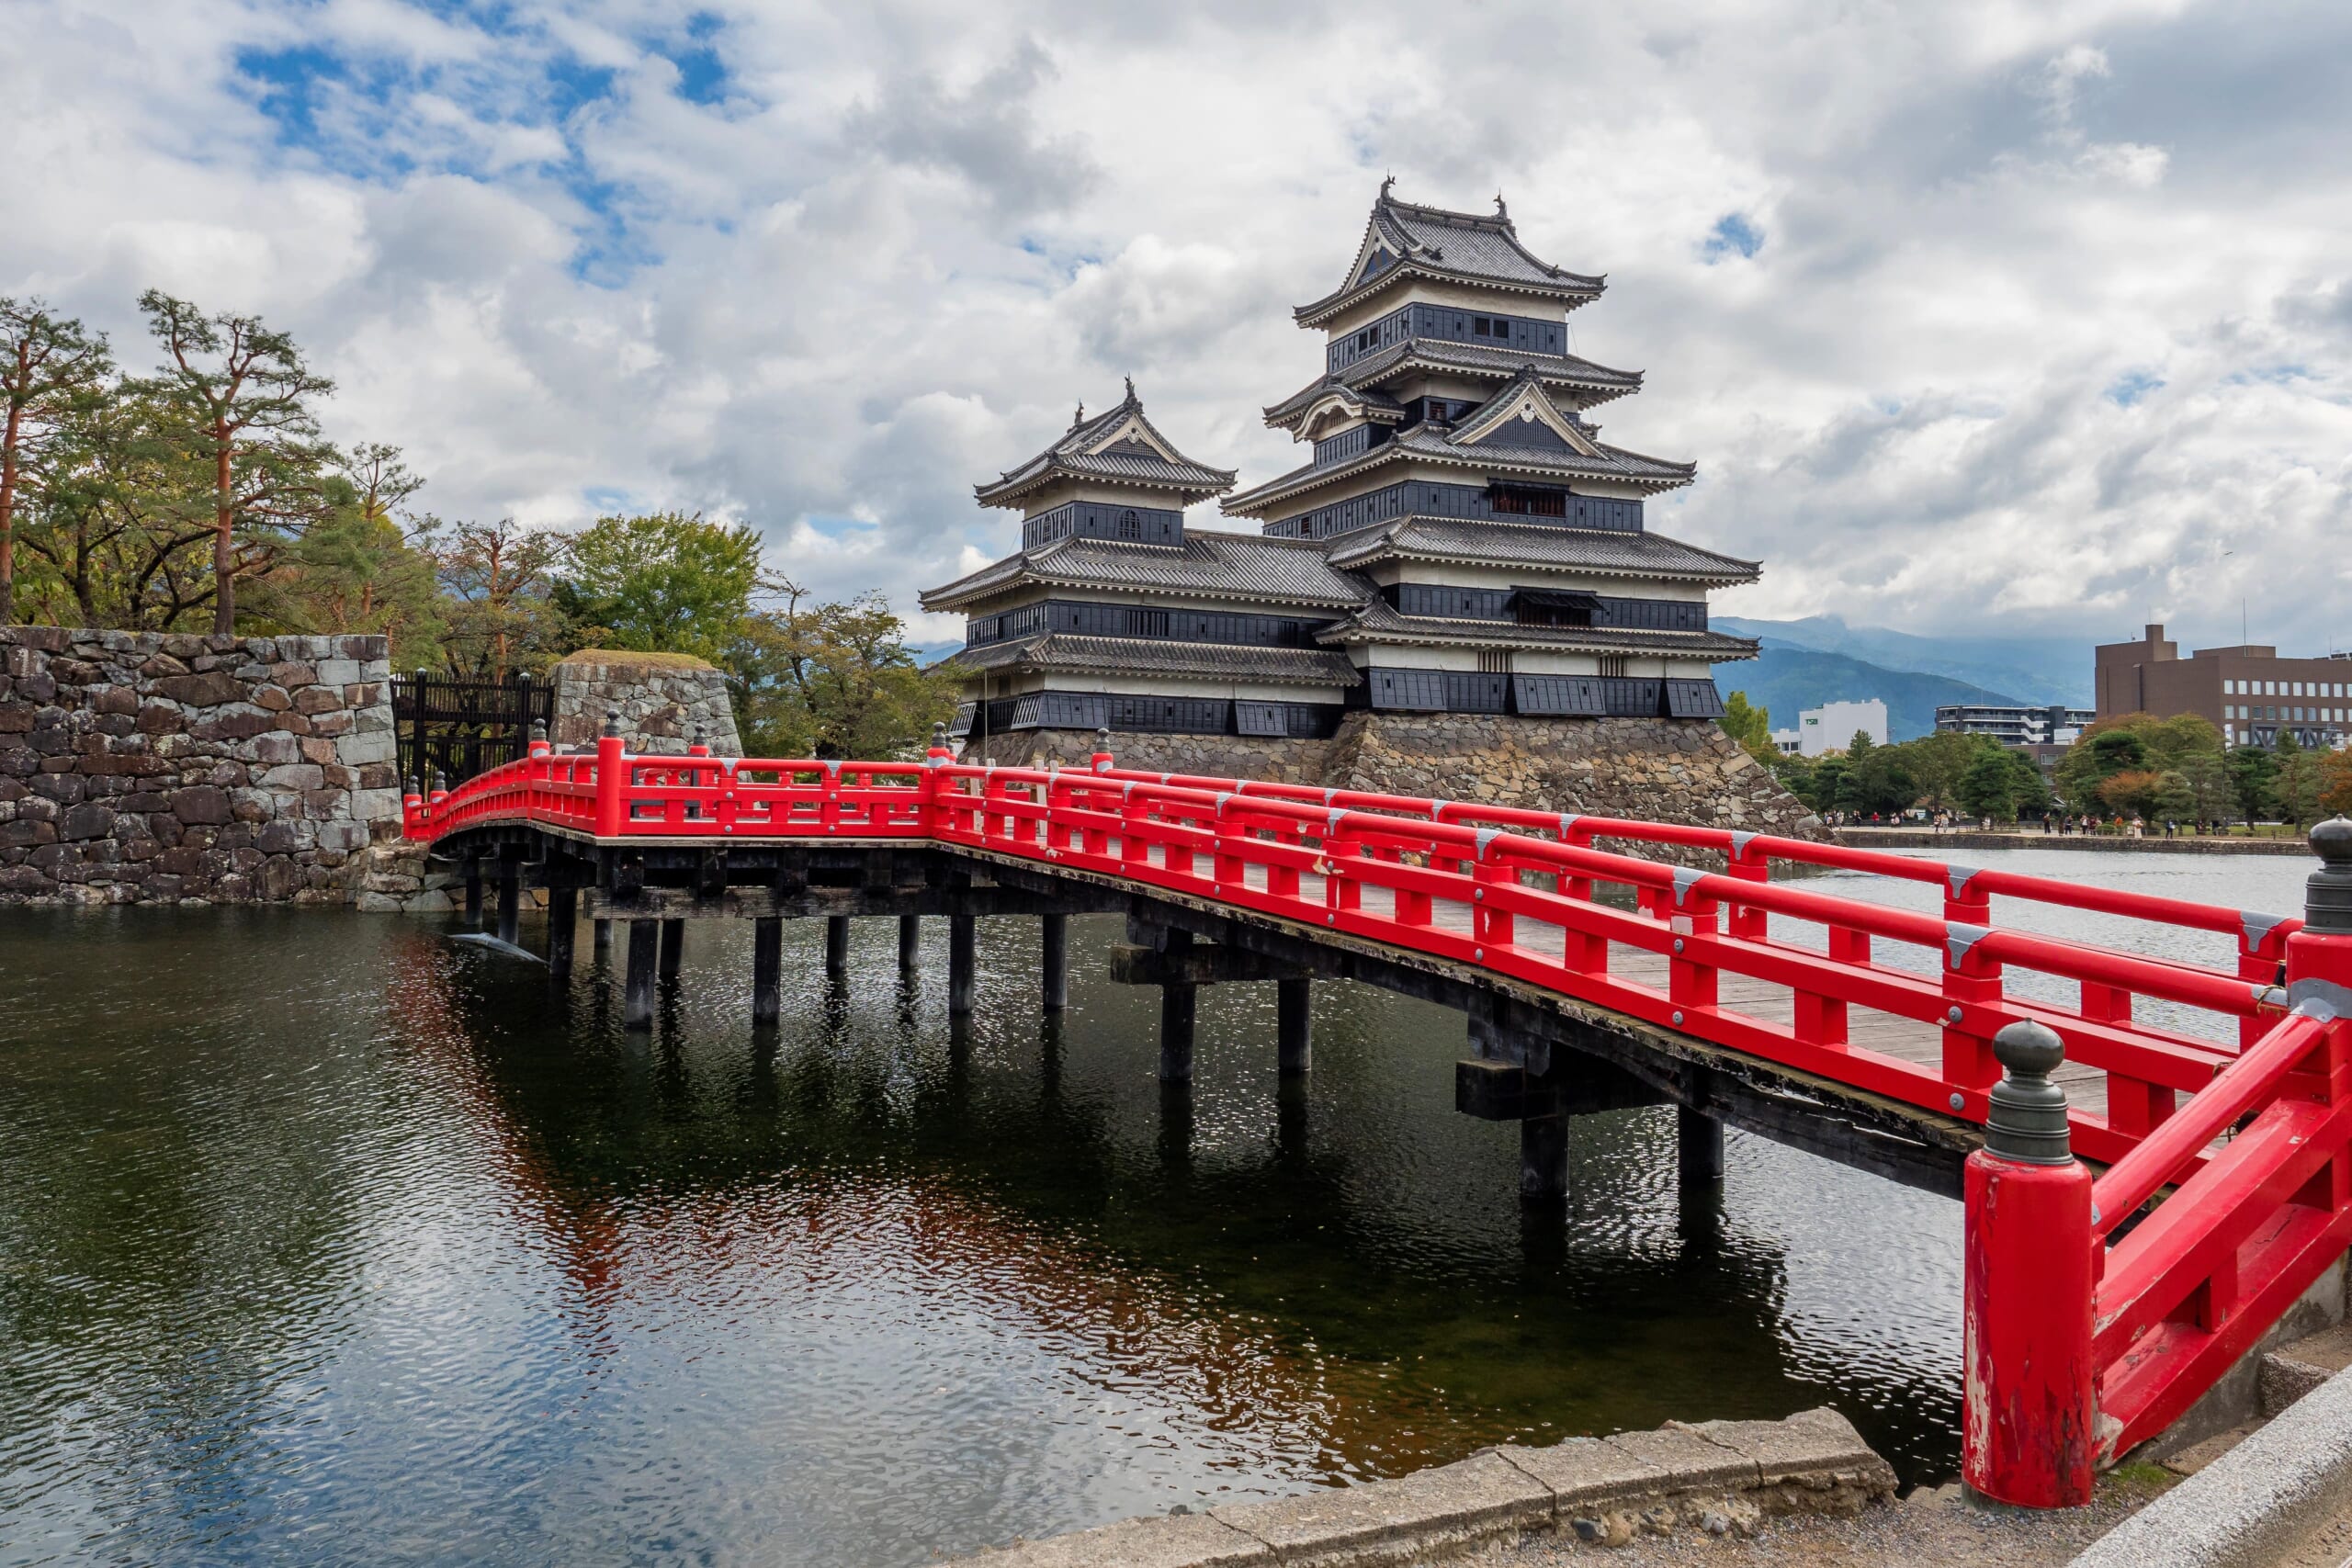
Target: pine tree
x,y
50,367
237,398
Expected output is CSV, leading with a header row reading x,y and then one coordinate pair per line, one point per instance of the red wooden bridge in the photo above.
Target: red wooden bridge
x,y
2217,1099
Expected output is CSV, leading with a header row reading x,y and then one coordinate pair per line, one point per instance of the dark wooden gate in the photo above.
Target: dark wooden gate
x,y
458,728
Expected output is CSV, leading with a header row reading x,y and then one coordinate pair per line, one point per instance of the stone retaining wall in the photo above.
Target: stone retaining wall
x,y
176,768
662,701
1659,770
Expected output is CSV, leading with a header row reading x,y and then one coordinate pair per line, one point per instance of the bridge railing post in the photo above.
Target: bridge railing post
x,y
1748,864
2319,971
611,778
933,811
2030,1386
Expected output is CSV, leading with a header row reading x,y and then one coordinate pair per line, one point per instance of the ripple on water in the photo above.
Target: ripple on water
x,y
316,1230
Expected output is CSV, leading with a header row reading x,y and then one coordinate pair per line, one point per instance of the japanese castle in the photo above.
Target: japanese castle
x,y
1461,541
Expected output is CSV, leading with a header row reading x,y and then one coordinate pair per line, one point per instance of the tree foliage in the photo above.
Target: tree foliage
x,y
52,370
1750,726
659,582
239,401
833,680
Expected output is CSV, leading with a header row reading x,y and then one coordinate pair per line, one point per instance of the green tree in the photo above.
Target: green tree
x,y
498,587
1751,726
2300,781
1879,780
2030,793
660,582
2209,787
115,535
355,570
2173,801
1939,763
1831,785
2096,758
50,367
834,679
1989,787
2132,793
238,398
2254,778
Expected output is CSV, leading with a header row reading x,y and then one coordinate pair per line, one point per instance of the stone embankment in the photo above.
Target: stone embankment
x,y
663,698
176,768
1923,839
1717,1478
1661,770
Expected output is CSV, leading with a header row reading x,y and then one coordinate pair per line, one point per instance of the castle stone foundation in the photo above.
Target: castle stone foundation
x,y
1658,769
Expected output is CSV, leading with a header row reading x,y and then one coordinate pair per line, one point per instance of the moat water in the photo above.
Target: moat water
x,y
324,1240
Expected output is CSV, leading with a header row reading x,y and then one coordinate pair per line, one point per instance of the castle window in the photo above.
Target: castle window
x,y
1478,325
1130,525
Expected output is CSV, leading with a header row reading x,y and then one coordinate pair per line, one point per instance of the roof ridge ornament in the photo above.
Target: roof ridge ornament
x,y
1384,186
1501,210
1131,390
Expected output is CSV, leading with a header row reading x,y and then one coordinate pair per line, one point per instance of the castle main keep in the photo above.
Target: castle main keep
x,y
1455,594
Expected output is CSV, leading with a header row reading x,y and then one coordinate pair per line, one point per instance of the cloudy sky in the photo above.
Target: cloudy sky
x,y
1977,317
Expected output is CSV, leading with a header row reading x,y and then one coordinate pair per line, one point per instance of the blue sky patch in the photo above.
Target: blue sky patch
x,y
2132,386
1732,235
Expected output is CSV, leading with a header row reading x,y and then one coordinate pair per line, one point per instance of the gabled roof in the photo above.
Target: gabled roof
x,y
1404,240
1465,543
1207,564
1579,383
1523,402
1118,447
1483,440
1378,621
1070,653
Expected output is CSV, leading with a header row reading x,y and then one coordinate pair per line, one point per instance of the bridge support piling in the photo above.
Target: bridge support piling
x,y
1294,1027
1544,1158
563,921
910,943
1176,1002
1053,943
674,947
962,943
473,893
636,996
1699,1147
767,970
836,944
510,899
601,943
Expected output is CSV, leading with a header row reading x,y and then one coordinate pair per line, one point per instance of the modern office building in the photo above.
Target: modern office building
x,y
2055,725
1832,728
2249,692
1460,540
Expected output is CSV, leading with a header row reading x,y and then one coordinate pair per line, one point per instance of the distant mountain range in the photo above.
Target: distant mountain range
x,y
1788,679
2039,669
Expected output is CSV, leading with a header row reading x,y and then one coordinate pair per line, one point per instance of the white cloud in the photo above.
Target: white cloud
x,y
2049,311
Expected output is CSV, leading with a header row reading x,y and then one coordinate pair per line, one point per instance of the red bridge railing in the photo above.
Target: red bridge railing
x,y
2094,1320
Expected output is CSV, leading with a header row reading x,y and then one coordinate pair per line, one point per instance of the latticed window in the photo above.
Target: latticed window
x,y
1612,665
1494,661
1130,525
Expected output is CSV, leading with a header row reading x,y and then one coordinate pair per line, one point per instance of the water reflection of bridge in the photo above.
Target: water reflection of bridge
x,y
1230,1289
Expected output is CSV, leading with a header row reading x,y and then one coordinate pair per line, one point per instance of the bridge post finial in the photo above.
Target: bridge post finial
x,y
612,720
2327,893
2026,1116
2031,1238
1100,760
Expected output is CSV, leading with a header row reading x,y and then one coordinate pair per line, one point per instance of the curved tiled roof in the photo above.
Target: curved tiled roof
x,y
1208,564
1379,621
1070,653
1452,247
1529,544
1087,451
1437,444
1591,384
